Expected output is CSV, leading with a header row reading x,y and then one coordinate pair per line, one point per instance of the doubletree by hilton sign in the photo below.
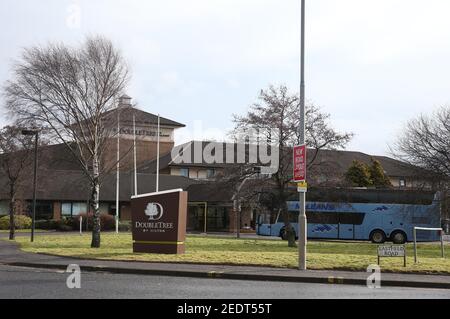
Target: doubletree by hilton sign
x,y
159,222
144,132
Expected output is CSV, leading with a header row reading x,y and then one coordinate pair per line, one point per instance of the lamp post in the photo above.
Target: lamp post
x,y
35,133
302,198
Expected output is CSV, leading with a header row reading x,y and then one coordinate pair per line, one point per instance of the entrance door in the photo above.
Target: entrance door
x,y
323,225
346,226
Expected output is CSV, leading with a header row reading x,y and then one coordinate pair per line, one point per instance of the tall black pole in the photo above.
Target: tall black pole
x,y
34,185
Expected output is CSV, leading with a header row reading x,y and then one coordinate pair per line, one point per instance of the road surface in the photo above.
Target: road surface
x,y
17,282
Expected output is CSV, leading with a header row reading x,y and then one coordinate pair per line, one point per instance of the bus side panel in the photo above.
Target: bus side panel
x,y
327,231
346,231
264,230
361,232
276,229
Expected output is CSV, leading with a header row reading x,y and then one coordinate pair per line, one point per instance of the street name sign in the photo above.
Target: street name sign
x,y
392,251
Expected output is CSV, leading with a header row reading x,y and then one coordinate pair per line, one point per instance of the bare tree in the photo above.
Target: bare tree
x,y
425,143
15,162
277,113
71,91
245,182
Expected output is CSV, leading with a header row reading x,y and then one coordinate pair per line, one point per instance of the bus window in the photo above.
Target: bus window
x,y
322,218
351,218
293,217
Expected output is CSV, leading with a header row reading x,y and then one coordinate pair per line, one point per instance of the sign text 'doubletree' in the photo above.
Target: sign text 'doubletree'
x,y
159,222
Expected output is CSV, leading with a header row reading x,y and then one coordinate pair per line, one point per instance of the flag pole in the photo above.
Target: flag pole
x,y
118,171
157,154
134,151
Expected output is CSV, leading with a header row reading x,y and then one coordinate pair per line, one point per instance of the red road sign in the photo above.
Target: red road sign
x,y
299,163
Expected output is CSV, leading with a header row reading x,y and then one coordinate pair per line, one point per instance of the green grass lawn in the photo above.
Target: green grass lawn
x,y
274,253
24,231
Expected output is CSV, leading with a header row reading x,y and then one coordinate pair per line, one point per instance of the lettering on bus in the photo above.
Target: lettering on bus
x,y
320,206
381,209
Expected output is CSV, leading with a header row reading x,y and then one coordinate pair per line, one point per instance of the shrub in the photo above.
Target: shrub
x,y
20,222
76,221
65,224
107,222
64,228
125,226
42,224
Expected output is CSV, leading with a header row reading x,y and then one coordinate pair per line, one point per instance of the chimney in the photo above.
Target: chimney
x,y
125,101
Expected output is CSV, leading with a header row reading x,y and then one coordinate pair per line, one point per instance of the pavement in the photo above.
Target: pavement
x,y
11,255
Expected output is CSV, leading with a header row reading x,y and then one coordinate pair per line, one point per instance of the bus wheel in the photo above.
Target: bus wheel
x,y
377,236
283,234
398,237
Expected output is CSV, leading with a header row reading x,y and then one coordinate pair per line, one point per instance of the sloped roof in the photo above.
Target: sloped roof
x,y
65,185
150,166
336,161
190,148
142,117
340,161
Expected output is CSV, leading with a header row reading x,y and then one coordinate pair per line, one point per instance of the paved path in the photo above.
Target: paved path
x,y
11,255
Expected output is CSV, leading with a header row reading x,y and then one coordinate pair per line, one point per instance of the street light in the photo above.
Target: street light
x,y
35,133
302,213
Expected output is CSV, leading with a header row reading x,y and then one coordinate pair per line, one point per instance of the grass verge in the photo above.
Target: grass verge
x,y
322,255
24,231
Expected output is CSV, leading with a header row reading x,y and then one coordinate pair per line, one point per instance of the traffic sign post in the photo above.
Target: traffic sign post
x,y
302,187
299,176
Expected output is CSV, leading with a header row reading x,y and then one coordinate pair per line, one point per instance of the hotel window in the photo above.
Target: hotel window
x,y
184,172
44,210
72,209
402,182
66,209
78,208
4,207
210,173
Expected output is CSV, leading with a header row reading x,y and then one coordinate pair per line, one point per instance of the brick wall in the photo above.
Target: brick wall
x,y
57,210
145,151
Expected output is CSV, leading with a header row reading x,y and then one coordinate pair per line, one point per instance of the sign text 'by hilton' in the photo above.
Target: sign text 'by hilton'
x,y
159,222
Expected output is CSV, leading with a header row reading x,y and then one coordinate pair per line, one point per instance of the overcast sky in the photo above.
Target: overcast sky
x,y
371,64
